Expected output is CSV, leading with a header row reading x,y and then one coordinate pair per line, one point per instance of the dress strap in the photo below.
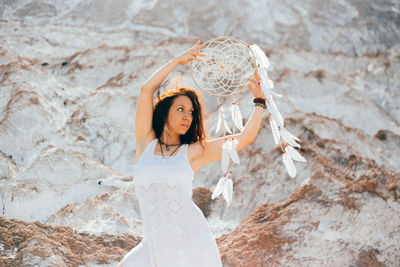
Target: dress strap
x,y
149,148
152,145
183,149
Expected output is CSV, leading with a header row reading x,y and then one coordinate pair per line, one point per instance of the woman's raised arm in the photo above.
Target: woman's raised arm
x,y
213,148
144,111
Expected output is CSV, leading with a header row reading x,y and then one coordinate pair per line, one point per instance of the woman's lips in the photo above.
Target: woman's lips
x,y
185,125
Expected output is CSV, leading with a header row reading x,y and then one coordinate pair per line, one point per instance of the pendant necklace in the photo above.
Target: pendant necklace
x,y
162,153
167,147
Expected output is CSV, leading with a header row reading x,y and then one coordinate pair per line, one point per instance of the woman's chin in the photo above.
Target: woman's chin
x,y
183,132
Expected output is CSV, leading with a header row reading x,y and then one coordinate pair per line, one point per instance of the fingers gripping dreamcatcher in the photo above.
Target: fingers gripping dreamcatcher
x,y
224,72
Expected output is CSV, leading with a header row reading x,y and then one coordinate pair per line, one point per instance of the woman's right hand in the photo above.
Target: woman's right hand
x,y
255,87
191,54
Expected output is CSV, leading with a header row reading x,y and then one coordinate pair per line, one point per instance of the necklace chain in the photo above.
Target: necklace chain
x,y
167,146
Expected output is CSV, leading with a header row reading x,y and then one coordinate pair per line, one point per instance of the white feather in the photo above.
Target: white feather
x,y
219,188
266,91
225,124
265,80
224,121
293,136
260,56
226,127
270,83
288,137
264,76
288,162
232,151
274,111
225,156
219,120
275,130
233,111
228,191
237,116
294,154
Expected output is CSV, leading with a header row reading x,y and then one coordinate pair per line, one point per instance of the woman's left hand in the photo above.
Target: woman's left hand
x,y
254,85
191,54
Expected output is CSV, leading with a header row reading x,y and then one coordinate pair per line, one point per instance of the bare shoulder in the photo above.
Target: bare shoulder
x,y
141,144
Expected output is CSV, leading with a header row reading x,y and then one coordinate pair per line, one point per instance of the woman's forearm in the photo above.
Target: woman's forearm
x,y
251,128
155,80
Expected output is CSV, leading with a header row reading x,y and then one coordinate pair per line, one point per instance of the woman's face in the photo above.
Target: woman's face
x,y
180,115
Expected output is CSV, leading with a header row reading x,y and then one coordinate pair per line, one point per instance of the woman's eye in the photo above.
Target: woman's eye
x,y
190,111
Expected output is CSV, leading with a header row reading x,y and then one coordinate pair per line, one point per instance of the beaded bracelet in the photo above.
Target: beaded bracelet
x,y
261,105
260,102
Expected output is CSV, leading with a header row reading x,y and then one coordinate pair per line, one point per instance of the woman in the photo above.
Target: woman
x,y
171,146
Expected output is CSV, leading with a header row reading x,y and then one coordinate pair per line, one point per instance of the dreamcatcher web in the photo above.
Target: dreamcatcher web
x,y
224,72
226,68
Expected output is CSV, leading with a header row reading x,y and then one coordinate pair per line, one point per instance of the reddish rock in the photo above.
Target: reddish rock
x,y
202,198
319,213
58,245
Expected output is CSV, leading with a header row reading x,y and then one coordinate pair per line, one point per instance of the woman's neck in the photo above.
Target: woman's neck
x,y
170,140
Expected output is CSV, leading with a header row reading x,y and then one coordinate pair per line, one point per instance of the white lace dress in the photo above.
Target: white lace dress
x,y
175,231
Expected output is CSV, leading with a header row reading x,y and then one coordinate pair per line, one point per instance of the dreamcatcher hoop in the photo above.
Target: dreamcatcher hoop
x,y
225,70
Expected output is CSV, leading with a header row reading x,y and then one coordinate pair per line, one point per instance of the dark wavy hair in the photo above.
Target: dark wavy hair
x,y
164,102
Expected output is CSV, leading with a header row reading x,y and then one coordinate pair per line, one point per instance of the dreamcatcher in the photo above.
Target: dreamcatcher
x,y
224,72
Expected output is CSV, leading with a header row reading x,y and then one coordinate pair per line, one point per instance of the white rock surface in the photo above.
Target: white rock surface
x,y
70,77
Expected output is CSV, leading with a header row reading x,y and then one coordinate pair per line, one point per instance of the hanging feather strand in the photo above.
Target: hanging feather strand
x,y
276,120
